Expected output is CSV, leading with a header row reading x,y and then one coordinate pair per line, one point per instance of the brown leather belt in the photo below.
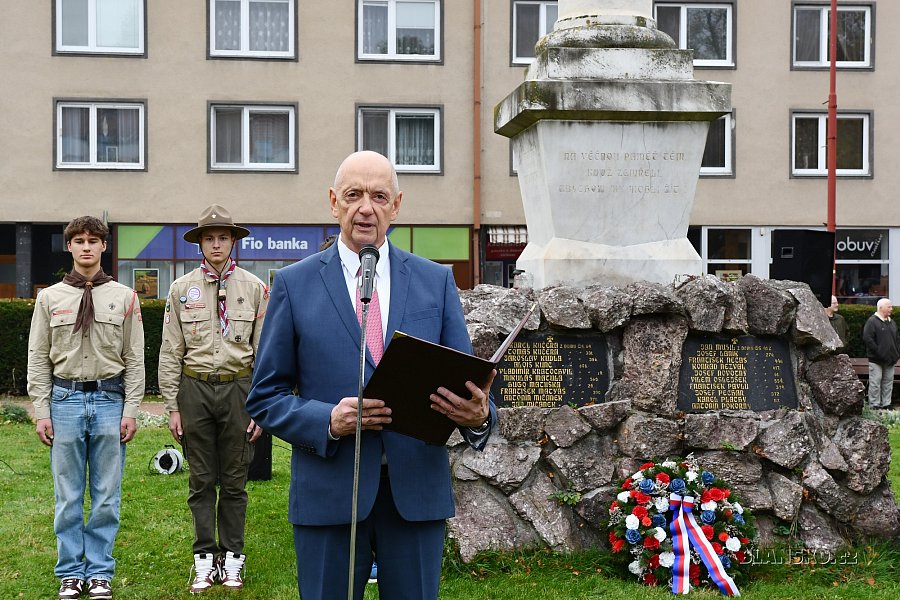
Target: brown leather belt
x,y
215,378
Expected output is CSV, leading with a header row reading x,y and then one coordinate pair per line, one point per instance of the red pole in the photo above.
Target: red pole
x,y
832,132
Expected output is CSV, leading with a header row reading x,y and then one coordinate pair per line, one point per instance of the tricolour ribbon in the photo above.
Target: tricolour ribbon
x,y
685,534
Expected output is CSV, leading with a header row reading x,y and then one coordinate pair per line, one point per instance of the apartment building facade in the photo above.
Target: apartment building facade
x,y
145,112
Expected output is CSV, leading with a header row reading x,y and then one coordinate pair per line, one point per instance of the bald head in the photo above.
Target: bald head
x,y
367,160
885,307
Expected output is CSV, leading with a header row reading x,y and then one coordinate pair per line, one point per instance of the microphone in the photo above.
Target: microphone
x,y
368,258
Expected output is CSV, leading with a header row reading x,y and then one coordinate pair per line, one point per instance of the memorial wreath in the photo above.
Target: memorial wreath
x,y
674,523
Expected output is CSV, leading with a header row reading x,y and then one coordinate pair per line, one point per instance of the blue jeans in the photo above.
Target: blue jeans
x,y
86,440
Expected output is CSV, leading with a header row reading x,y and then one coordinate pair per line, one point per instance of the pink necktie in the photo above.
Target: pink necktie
x,y
374,336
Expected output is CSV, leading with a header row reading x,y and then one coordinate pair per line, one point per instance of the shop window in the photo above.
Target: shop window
x,y
862,265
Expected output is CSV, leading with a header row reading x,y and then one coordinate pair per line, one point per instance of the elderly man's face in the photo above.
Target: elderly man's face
x,y
365,199
885,309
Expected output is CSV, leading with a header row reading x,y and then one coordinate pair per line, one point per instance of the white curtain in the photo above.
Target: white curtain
x,y
118,135
269,26
375,28
415,139
117,23
228,136
228,25
269,137
807,36
75,134
375,131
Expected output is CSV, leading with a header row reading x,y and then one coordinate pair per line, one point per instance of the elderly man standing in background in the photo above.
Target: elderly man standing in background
x,y
883,350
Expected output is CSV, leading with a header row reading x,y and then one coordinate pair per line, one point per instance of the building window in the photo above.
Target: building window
x,y
862,265
808,144
399,30
854,36
718,154
705,28
99,135
100,26
728,252
410,137
247,137
252,28
530,22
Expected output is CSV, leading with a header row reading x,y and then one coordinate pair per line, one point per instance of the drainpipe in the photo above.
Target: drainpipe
x,y
832,135
476,143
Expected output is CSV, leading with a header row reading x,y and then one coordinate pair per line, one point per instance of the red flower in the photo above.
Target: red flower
x,y
654,562
705,497
650,579
740,556
695,582
627,484
663,478
717,548
618,545
613,537
639,511
723,537
745,541
641,497
716,494
633,493
708,531
614,505
648,465
651,542
694,571
646,521
728,513
727,493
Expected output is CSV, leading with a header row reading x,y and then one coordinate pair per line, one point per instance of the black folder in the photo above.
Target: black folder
x,y
412,369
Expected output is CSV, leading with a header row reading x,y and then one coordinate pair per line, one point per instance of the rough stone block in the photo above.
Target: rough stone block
x,y
504,465
645,437
865,446
721,430
525,424
606,414
770,311
835,385
562,308
785,442
733,467
553,523
565,426
786,496
705,301
817,531
879,515
485,521
608,307
653,298
839,502
586,465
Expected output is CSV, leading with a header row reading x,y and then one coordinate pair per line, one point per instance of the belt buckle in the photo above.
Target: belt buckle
x,y
214,378
90,386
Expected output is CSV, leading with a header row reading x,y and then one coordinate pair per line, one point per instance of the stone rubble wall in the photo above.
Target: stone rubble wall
x,y
819,469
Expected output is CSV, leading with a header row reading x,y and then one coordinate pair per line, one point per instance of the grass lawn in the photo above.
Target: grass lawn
x,y
154,544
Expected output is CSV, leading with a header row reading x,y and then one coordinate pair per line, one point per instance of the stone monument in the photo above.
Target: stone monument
x,y
608,133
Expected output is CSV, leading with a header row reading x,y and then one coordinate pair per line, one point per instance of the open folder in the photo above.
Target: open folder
x,y
412,369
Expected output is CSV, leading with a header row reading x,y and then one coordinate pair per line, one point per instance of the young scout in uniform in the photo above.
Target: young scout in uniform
x,y
213,319
86,380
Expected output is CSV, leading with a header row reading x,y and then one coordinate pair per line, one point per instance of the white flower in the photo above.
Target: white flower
x,y
733,544
661,504
623,497
635,567
738,508
708,506
632,522
669,464
660,534
637,477
666,559
691,476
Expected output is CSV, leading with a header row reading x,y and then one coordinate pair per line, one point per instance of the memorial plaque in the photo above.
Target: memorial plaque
x,y
548,370
737,373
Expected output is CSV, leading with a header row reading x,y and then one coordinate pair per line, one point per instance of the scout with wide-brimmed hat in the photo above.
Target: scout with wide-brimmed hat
x,y
215,215
211,329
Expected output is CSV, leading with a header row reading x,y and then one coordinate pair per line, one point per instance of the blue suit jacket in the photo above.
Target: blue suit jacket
x,y
311,342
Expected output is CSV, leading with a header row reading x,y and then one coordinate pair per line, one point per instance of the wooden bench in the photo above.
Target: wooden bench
x,y
861,367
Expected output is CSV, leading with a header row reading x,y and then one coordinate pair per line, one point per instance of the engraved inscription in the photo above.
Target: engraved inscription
x,y
740,373
634,173
548,370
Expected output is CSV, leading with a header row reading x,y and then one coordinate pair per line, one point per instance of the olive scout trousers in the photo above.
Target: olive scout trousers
x,y
218,451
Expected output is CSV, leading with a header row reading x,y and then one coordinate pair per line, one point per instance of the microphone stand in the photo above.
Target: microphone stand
x,y
356,449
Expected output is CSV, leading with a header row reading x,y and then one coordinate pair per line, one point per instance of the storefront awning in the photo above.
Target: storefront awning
x,y
507,234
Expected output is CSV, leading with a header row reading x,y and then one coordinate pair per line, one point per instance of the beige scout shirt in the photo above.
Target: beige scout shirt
x,y
192,333
114,343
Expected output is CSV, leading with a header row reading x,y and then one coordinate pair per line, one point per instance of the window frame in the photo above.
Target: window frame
x,y
437,168
730,145
824,8
93,104
247,54
730,61
436,58
867,172
246,108
515,60
58,49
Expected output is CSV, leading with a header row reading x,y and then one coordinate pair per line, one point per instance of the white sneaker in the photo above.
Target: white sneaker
x,y
205,573
231,567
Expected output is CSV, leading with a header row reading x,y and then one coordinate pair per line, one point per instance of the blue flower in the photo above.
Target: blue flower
x,y
658,521
738,519
646,485
708,517
633,536
707,478
726,562
677,486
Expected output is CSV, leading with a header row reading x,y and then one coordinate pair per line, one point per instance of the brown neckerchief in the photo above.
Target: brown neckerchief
x,y
86,308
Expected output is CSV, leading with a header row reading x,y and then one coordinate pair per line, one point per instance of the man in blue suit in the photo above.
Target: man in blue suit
x,y
304,391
